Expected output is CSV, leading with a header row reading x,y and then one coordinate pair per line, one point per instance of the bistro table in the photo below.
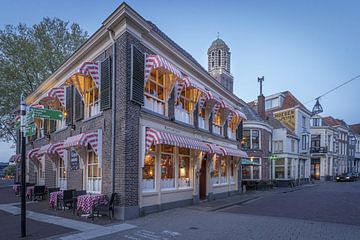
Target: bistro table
x,y
86,202
16,188
30,192
54,196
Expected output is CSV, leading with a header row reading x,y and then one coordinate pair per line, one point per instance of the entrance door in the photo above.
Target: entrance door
x,y
315,171
202,189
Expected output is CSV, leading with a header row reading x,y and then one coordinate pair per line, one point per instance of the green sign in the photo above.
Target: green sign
x,y
45,113
17,124
29,118
30,130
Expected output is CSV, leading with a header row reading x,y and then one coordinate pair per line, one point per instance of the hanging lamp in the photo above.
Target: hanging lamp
x,y
317,107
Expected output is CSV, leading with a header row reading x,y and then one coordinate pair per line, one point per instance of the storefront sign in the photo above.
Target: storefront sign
x,y
74,160
287,117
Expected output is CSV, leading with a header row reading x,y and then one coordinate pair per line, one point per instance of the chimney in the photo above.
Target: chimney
x,y
261,100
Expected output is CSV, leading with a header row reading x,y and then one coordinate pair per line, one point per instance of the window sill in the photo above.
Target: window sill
x,y
174,190
92,117
148,193
220,184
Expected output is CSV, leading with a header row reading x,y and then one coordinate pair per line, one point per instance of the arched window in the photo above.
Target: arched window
x,y
219,58
212,64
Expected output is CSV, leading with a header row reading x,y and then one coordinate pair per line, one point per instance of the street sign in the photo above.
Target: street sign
x,y
30,130
46,114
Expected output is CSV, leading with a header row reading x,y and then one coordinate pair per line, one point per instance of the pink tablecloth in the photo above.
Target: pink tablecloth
x,y
86,202
30,191
54,196
16,188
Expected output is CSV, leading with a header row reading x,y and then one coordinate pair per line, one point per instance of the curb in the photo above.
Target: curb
x,y
234,203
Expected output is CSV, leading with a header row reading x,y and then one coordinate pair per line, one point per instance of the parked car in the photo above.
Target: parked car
x,y
346,177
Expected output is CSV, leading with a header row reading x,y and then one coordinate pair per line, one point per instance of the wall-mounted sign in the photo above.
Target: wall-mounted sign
x,y
287,117
30,130
74,160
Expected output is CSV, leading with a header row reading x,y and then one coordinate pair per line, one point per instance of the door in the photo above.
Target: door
x,y
202,188
315,171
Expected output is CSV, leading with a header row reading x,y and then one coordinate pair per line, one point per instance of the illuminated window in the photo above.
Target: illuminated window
x,y
91,96
280,168
217,127
93,173
219,175
167,167
184,168
184,107
155,91
149,171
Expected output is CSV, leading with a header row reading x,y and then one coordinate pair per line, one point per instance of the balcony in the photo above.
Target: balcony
x,y
183,116
318,150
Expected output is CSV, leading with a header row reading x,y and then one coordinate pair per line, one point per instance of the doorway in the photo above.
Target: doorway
x,y
315,169
202,188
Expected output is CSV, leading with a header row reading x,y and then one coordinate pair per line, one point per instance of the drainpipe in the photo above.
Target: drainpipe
x,y
113,108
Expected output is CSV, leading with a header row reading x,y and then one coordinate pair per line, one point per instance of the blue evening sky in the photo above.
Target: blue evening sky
x,y
307,47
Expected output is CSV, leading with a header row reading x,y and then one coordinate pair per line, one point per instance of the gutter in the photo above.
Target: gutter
x,y
113,108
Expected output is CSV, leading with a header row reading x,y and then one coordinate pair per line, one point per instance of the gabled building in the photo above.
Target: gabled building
x,y
356,130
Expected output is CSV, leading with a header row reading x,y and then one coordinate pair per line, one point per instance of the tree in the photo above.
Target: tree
x,y
10,170
28,56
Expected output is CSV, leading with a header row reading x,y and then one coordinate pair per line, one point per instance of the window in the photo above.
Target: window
x,y
91,97
245,141
167,163
184,168
292,145
252,172
304,142
62,175
217,128
155,92
219,175
316,122
149,171
289,173
278,146
232,170
201,119
280,168
272,103
315,141
255,139
93,173
219,58
303,121
184,107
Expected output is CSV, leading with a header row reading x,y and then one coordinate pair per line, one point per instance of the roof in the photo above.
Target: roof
x,y
218,43
330,121
355,128
250,113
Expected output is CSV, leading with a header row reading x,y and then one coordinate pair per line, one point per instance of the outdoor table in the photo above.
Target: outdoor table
x,y
30,192
16,188
54,196
85,203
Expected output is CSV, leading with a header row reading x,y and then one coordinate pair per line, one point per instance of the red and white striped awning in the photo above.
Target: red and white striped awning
x,y
15,158
155,61
83,139
33,153
91,69
43,150
215,149
158,137
188,82
57,148
233,152
73,141
59,93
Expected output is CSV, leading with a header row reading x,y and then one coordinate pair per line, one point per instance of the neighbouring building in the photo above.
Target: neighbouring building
x,y
356,129
142,118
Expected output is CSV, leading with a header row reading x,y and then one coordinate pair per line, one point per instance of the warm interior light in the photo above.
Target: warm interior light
x,y
182,172
151,173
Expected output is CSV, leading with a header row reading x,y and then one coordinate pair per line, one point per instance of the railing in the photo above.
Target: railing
x,y
231,134
201,122
94,184
318,150
183,116
216,129
154,105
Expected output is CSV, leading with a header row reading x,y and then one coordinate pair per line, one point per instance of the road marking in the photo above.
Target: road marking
x,y
145,234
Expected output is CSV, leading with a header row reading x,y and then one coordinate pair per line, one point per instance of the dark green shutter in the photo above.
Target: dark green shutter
x,y
105,95
79,107
69,105
137,75
239,131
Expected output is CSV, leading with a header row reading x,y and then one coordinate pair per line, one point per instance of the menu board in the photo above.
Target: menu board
x,y
74,160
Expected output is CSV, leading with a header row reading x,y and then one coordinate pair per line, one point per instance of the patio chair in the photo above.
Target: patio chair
x,y
67,199
75,195
50,190
105,208
39,191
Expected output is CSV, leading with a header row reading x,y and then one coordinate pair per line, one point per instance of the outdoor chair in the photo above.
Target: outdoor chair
x,y
75,195
67,199
39,191
50,190
105,208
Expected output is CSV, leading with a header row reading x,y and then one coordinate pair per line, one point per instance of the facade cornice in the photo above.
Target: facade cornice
x,y
257,124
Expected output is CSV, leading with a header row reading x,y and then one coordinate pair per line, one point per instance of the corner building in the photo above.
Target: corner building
x,y
143,119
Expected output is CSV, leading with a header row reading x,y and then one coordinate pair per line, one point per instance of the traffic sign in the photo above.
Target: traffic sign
x,y
46,114
30,130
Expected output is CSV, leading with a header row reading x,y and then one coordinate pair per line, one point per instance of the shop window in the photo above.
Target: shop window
x,y
217,127
232,170
252,172
62,184
219,171
289,169
280,168
92,100
184,107
41,172
246,172
93,173
155,91
184,168
167,164
149,171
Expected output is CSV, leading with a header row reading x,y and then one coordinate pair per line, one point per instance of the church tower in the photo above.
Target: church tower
x,y
219,63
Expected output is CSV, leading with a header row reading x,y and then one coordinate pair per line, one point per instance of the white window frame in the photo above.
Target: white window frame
x,y
93,180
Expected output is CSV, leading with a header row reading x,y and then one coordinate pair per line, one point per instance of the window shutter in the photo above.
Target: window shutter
x,y
69,105
79,107
137,75
239,131
46,124
105,95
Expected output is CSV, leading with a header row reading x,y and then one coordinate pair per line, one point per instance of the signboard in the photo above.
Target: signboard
x,y
46,114
30,130
287,117
74,160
